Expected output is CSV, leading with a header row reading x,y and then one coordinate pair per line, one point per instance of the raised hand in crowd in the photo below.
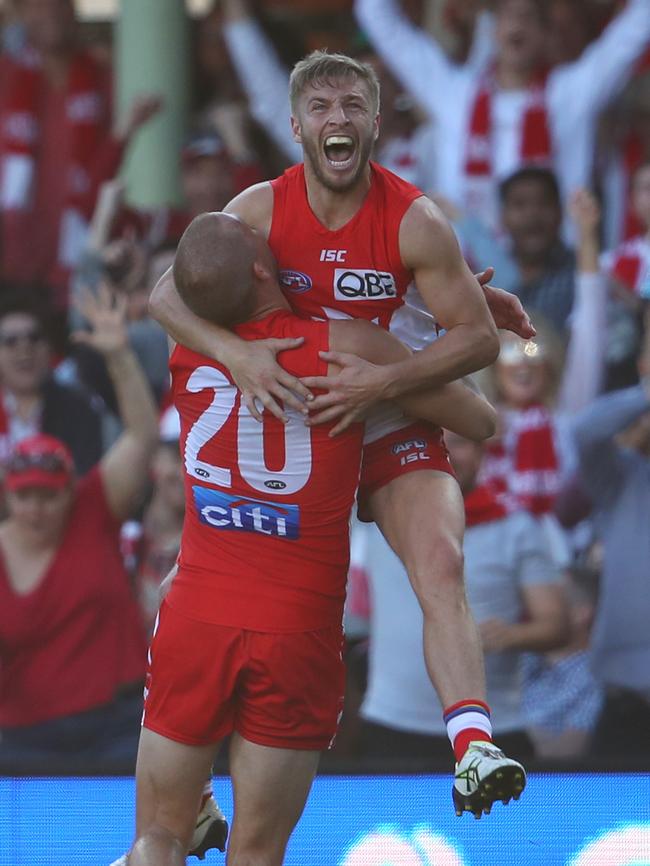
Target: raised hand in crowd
x,y
125,466
584,210
143,108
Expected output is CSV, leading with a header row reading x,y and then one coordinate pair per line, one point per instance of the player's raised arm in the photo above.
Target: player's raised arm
x,y
252,364
453,406
429,248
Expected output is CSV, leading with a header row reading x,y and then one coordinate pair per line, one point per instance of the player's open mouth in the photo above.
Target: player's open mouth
x,y
339,151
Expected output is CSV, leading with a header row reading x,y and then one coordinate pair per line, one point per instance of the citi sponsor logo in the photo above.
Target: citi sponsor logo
x,y
409,445
363,285
333,255
232,513
295,281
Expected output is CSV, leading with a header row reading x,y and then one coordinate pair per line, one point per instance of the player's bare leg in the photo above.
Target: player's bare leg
x,y
270,789
170,778
422,517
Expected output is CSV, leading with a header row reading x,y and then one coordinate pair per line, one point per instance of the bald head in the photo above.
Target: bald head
x,y
214,268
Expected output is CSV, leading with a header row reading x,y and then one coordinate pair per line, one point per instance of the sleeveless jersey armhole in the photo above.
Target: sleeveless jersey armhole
x,y
398,196
276,234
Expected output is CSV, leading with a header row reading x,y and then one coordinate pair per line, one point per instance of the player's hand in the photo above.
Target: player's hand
x,y
506,308
495,635
105,312
263,382
350,393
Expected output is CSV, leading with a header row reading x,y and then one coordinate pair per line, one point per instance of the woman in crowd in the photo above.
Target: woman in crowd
x,y
72,647
537,387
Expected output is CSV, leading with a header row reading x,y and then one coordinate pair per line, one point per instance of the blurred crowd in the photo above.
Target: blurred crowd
x,y
529,124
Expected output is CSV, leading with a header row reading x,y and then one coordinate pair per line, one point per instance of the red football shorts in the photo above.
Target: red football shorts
x,y
205,681
410,449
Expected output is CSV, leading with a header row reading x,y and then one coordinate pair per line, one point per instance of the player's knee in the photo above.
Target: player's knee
x,y
439,573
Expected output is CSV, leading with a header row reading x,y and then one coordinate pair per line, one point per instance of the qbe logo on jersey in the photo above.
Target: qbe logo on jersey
x,y
221,511
363,285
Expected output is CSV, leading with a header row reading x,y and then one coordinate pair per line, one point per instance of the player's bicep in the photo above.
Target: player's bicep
x,y
429,248
367,341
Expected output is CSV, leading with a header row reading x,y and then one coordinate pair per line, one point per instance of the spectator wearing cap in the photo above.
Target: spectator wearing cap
x,y
72,646
152,544
31,400
58,143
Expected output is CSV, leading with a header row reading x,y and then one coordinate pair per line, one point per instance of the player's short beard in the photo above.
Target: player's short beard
x,y
312,154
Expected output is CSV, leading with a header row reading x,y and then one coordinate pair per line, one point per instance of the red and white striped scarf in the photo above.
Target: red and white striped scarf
x,y
629,264
524,463
483,505
535,146
85,111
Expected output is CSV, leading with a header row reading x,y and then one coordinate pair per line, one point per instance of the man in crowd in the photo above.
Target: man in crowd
x,y
58,143
513,111
536,264
350,238
251,645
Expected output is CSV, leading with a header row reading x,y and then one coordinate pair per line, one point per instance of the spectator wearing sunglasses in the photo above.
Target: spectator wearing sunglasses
x,y
31,401
72,644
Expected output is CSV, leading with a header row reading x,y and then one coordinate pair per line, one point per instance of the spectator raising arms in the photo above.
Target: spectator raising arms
x,y
514,111
72,647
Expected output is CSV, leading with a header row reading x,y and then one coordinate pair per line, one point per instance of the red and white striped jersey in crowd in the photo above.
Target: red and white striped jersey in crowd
x,y
629,264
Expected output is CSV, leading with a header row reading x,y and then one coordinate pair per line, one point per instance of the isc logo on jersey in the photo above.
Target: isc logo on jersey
x,y
363,285
220,511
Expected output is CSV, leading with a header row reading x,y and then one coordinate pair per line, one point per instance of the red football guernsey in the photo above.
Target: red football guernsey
x,y
355,271
265,541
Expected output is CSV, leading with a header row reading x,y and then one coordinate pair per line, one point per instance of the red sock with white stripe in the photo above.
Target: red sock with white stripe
x,y
466,722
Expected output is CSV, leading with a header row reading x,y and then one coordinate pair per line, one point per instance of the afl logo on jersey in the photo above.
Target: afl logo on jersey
x,y
295,281
357,285
274,484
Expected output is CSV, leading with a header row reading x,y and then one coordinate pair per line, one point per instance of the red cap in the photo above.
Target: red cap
x,y
39,461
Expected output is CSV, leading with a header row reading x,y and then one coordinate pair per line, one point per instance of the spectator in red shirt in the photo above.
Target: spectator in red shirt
x,y
57,144
72,646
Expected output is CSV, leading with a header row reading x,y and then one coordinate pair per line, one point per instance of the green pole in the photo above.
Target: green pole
x,y
152,52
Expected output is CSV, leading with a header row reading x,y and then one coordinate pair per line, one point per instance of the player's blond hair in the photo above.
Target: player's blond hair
x,y
320,67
